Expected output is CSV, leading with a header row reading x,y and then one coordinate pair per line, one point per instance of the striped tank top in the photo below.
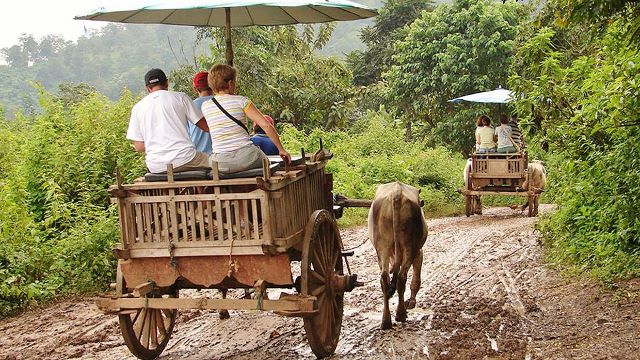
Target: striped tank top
x,y
226,135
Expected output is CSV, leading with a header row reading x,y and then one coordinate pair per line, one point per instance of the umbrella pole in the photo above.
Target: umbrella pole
x,y
229,53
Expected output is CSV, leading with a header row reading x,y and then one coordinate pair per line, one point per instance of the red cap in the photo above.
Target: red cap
x,y
201,80
269,120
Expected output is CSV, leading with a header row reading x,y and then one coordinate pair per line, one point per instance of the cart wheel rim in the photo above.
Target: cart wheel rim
x,y
146,331
321,261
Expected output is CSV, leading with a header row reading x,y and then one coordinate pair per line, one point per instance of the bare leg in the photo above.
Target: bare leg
x,y
415,280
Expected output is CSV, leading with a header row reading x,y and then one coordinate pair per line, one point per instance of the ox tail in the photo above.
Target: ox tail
x,y
397,258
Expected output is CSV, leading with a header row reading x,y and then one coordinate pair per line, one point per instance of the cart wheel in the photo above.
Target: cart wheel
x,y
468,205
477,205
321,260
147,331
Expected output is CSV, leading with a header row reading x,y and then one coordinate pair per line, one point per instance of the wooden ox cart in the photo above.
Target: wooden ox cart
x,y
209,232
497,174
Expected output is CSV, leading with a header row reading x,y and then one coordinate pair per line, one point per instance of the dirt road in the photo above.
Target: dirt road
x,y
485,294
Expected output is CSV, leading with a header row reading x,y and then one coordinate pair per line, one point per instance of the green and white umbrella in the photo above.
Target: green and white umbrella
x,y
224,13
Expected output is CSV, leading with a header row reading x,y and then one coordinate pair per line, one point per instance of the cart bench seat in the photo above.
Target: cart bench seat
x,y
207,175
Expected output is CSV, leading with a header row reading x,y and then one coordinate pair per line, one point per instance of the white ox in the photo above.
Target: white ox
x,y
398,231
538,176
477,202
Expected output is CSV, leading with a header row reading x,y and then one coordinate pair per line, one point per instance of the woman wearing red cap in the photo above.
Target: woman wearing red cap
x,y
227,115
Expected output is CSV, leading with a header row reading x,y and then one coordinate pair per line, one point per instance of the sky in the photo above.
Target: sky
x,y
43,17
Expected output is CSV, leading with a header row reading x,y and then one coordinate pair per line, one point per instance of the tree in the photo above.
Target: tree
x,y
279,70
453,50
368,65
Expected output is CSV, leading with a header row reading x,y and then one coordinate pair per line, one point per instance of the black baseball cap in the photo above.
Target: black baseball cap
x,y
155,77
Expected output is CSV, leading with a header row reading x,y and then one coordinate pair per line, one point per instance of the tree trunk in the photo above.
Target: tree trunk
x,y
408,134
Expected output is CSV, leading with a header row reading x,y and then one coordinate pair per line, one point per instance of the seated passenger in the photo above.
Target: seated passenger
x,y
201,140
227,115
516,134
506,144
484,136
261,139
158,127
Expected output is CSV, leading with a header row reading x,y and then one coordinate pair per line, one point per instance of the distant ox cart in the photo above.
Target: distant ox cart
x,y
498,174
200,230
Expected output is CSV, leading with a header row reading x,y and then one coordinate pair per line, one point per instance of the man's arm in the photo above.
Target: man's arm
x,y
139,146
202,124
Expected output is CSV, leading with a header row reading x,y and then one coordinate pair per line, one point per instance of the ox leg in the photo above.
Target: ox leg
x,y
415,280
224,314
386,314
536,202
401,311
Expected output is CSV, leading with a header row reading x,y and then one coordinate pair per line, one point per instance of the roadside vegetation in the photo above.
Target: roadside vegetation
x,y
384,115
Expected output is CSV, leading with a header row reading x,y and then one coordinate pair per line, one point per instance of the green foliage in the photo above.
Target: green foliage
x,y
368,65
110,59
374,152
56,226
279,70
451,51
587,106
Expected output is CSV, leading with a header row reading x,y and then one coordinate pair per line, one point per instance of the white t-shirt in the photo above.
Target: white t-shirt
x,y
160,121
503,132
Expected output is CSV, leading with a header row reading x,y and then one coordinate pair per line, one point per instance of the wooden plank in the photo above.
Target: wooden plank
x,y
139,223
183,222
219,215
209,216
238,220
247,222
218,250
488,192
155,216
194,197
143,289
289,303
254,212
229,222
164,222
199,212
191,214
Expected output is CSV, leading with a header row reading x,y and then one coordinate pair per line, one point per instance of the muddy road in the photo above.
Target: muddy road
x,y
486,294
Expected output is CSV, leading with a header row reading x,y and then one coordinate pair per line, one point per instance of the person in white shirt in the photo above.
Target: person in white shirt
x,y
158,127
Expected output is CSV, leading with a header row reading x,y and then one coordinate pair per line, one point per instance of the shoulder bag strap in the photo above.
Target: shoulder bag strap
x,y
229,115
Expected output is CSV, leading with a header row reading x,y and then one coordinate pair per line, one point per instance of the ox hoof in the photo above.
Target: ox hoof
x,y
410,304
401,317
224,314
386,324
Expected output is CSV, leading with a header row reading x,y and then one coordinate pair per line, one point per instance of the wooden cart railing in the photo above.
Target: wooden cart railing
x,y
200,226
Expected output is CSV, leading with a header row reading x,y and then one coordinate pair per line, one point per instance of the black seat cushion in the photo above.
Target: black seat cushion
x,y
206,174
203,174
249,173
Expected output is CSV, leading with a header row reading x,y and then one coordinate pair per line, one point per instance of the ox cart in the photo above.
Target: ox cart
x,y
497,174
203,231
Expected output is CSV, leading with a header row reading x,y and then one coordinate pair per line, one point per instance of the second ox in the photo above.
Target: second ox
x,y
398,231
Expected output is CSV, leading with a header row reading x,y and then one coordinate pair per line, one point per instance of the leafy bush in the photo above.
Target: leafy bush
x,y
56,225
586,106
375,152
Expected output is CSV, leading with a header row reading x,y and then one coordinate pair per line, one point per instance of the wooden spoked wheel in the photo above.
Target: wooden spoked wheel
x,y
468,205
321,272
147,331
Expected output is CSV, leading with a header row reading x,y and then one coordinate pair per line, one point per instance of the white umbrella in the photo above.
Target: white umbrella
x,y
497,96
225,13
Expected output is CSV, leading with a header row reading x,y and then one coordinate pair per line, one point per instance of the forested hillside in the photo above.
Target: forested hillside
x,y
572,65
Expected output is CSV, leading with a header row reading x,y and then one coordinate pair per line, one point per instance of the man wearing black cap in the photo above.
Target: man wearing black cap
x,y
158,127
